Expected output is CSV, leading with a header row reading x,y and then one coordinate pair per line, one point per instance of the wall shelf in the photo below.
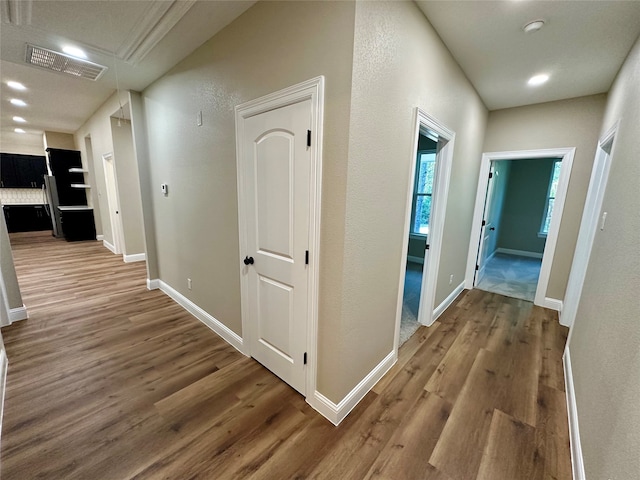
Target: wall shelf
x,y
80,185
78,170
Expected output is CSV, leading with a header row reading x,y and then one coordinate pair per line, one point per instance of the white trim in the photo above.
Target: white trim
x,y
439,197
567,155
19,313
109,247
577,462
218,327
439,310
520,253
413,259
588,225
153,284
4,364
313,90
335,413
100,238
552,304
134,257
113,204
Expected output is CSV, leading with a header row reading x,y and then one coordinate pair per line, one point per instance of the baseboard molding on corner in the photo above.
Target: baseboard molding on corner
x,y
335,413
577,462
16,314
413,259
521,253
153,284
109,247
4,362
135,257
439,310
100,238
552,304
218,327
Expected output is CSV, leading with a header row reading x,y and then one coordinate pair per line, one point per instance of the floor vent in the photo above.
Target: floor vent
x,y
60,62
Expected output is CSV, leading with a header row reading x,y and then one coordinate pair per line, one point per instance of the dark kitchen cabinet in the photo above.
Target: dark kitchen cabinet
x,y
26,218
22,171
77,224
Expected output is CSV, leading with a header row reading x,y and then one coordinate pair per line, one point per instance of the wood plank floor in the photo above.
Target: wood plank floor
x,y
110,381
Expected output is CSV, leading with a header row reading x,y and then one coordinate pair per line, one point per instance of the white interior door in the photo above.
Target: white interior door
x,y
275,163
113,202
488,229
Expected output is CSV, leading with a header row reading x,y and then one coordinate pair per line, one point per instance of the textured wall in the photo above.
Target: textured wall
x,y
7,270
400,63
605,339
271,46
565,123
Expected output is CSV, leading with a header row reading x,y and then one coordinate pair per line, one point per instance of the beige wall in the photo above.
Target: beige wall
x,y
400,63
566,123
605,340
128,187
65,141
25,144
100,129
271,46
7,269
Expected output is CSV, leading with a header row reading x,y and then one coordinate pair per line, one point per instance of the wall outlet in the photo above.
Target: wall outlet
x,y
189,283
450,279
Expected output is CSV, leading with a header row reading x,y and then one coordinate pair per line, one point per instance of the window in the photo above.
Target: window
x,y
551,197
422,191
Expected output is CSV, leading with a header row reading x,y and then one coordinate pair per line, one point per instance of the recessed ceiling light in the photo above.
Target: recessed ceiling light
x,y
16,85
19,130
534,26
17,102
19,120
74,52
538,79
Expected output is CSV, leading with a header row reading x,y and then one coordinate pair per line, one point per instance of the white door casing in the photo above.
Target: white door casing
x,y
113,201
566,154
488,228
278,204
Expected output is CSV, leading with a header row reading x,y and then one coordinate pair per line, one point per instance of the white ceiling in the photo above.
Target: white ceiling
x,y
582,46
145,38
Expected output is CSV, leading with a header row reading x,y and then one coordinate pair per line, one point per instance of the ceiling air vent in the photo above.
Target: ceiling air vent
x,y
60,62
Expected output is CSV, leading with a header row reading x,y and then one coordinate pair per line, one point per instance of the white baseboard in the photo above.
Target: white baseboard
x,y
335,413
4,363
19,313
413,259
100,238
553,304
439,310
577,462
109,246
218,327
153,284
521,253
135,257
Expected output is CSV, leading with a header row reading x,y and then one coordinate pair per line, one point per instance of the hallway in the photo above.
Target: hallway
x,y
108,380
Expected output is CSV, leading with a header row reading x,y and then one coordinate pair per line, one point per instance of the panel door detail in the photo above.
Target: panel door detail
x,y
276,175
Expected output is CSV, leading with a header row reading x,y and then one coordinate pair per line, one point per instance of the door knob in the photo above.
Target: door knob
x,y
492,228
248,260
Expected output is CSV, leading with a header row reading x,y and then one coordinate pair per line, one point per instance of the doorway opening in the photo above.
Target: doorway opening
x,y
424,224
114,204
516,223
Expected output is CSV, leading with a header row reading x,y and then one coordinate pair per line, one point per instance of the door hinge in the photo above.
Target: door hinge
x,y
306,257
308,138
477,267
305,358
490,174
483,223
426,247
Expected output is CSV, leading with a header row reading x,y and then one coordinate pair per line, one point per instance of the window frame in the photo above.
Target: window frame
x,y
415,194
541,232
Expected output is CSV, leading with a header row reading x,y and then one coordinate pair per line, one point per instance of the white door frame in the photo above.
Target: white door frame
x,y
440,194
116,222
588,225
312,90
566,154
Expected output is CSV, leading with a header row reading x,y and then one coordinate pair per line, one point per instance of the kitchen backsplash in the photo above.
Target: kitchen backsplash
x,y
12,196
